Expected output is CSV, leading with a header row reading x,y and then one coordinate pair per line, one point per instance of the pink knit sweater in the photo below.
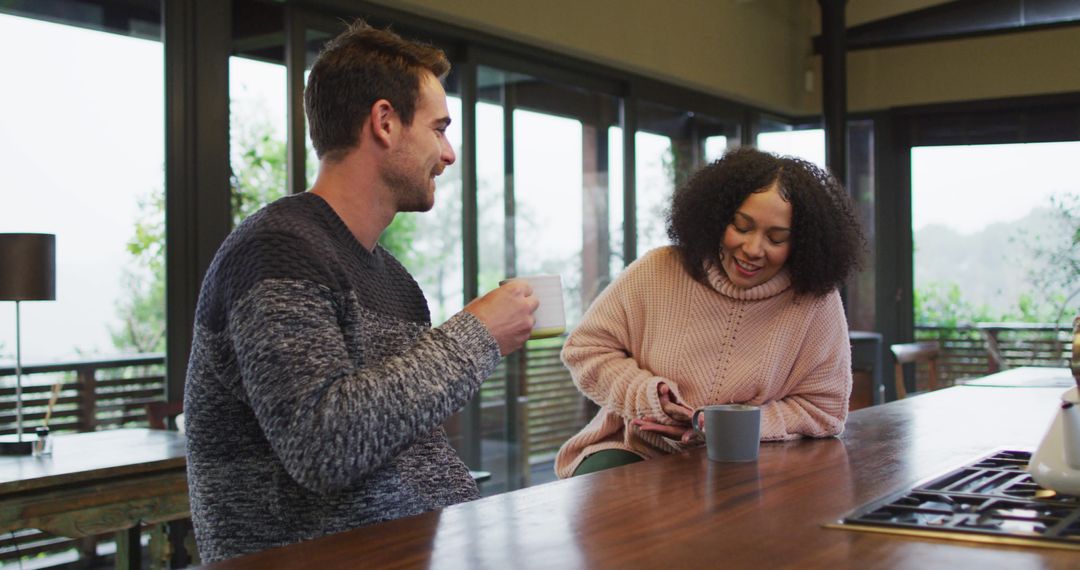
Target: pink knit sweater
x,y
764,346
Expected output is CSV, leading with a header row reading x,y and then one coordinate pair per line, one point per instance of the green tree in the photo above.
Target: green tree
x,y
142,311
398,239
1053,249
942,304
259,168
1051,253
1061,253
259,177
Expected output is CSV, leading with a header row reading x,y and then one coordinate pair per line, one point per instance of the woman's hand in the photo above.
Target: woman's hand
x,y
675,410
681,432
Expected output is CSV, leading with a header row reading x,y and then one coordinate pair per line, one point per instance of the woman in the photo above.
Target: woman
x,y
743,308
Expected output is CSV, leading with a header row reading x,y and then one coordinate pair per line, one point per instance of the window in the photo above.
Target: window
x,y
81,156
671,144
994,227
257,93
807,144
544,200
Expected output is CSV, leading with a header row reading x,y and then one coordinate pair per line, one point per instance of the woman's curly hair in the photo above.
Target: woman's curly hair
x,y
826,240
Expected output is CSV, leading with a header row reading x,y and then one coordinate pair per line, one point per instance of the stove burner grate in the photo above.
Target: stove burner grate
x,y
991,500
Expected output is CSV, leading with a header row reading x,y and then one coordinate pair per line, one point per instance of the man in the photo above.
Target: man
x,y
316,387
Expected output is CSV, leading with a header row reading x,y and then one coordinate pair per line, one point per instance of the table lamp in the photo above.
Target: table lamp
x,y
27,273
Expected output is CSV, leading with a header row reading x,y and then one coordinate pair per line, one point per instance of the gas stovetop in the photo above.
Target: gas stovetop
x,y
991,500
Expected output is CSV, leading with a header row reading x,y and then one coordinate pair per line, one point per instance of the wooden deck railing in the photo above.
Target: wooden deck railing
x,y
985,348
94,394
553,409
108,393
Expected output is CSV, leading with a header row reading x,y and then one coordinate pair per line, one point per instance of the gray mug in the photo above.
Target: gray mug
x,y
732,431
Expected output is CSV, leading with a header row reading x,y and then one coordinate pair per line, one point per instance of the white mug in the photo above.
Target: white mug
x,y
550,316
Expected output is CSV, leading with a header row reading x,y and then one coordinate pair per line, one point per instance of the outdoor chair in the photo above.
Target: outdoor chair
x,y
915,353
158,414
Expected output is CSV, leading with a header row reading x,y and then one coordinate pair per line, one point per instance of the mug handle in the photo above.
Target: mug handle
x,y
694,422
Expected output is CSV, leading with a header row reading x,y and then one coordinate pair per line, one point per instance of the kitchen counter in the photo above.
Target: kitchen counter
x,y
683,511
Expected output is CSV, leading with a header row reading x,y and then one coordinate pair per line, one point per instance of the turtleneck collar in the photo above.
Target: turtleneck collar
x,y
719,281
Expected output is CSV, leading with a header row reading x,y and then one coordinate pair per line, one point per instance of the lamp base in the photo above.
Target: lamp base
x,y
9,445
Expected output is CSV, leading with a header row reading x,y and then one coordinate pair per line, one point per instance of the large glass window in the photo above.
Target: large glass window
x,y
81,156
991,221
82,153
257,103
655,181
544,198
805,143
995,258
670,145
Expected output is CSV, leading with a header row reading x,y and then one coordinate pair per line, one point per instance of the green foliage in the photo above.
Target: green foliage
x,y
1056,278
259,177
677,161
1062,256
142,311
1043,308
942,304
397,238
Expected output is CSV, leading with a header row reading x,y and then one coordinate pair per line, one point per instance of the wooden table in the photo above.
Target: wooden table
x,y
98,482
1027,377
683,511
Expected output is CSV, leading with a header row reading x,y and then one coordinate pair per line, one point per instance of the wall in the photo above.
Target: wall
x,y
1005,65
753,51
863,11
759,51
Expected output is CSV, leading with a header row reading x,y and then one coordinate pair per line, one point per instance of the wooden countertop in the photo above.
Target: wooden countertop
x,y
85,457
683,511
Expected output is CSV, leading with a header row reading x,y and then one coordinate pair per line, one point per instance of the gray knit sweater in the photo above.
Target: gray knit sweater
x,y
316,387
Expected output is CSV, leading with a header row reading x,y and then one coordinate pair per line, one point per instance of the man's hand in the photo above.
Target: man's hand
x,y
507,312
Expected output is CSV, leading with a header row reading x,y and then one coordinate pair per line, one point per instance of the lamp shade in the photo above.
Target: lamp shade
x,y
27,267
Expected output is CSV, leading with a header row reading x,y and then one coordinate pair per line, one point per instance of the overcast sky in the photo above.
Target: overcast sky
x,y
967,188
81,141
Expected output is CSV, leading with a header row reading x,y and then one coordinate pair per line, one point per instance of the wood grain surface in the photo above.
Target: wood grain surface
x,y
97,482
683,511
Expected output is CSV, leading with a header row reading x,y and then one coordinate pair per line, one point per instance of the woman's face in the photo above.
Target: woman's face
x,y
758,239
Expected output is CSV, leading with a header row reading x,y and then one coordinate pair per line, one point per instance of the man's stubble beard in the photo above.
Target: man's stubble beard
x,y
410,191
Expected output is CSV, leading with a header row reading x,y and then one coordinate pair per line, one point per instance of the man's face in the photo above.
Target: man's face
x,y
422,151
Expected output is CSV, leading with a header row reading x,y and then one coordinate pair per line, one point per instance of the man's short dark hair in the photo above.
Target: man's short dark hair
x,y
826,239
356,69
